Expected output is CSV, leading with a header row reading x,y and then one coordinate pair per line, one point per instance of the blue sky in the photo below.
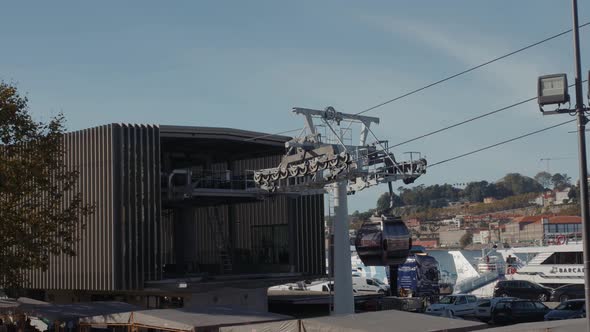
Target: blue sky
x,y
245,64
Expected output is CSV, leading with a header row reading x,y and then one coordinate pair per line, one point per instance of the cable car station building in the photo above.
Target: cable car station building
x,y
177,215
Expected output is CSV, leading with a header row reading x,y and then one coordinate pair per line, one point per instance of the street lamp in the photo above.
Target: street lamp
x,y
552,89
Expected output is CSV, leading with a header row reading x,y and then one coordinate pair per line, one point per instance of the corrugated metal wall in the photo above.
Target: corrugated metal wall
x,y
119,174
137,222
303,216
90,152
306,219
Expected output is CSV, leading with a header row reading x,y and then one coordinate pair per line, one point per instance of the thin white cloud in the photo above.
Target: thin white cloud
x,y
515,75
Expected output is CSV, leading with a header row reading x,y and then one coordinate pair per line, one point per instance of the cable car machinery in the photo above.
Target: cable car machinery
x,y
313,162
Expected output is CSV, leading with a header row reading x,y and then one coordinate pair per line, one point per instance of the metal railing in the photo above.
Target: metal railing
x,y
562,238
182,182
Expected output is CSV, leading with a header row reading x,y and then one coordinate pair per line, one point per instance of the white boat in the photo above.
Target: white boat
x,y
552,265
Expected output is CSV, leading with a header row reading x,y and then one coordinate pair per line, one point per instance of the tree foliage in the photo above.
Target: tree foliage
x,y
560,181
544,179
432,196
466,240
519,184
383,201
477,191
40,210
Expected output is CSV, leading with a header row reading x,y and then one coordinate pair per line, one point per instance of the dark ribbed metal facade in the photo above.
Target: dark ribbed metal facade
x,y
119,175
129,238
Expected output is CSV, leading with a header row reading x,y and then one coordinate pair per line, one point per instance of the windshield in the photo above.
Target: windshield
x,y
379,282
447,300
574,305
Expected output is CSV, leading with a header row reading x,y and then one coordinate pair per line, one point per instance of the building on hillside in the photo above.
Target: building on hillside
x,y
412,223
451,238
428,244
481,236
542,229
562,196
489,200
553,197
177,215
559,229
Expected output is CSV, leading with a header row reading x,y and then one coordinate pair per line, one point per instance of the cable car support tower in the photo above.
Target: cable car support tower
x,y
314,161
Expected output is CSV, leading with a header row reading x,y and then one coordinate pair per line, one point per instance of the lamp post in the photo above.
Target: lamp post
x,y
552,89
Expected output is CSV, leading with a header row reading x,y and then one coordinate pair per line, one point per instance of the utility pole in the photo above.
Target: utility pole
x,y
582,156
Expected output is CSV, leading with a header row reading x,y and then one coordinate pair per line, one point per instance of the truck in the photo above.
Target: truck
x,y
419,277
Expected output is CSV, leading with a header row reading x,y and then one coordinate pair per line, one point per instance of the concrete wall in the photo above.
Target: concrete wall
x,y
451,237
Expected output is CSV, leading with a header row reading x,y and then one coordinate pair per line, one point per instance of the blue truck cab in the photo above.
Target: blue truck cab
x,y
419,276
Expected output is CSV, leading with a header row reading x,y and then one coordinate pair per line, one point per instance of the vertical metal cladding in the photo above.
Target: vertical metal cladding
x,y
137,213
119,246
306,224
302,217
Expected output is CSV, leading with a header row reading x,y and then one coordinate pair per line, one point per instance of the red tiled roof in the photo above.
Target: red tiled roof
x,y
564,220
527,219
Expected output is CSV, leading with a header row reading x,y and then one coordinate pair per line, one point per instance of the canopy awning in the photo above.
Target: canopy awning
x,y
386,321
73,311
184,319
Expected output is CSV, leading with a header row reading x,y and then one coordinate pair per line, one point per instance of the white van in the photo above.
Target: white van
x,y
362,284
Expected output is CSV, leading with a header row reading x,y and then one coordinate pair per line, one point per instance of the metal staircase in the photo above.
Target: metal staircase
x,y
540,258
471,284
221,243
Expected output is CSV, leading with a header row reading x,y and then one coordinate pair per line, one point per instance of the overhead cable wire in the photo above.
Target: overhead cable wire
x,y
500,143
466,121
443,80
469,70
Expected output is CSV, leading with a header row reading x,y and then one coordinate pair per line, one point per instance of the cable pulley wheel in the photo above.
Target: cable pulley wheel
x,y
333,162
283,173
314,166
344,157
257,177
293,170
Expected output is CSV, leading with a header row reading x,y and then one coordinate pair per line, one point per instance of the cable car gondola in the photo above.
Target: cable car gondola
x,y
383,241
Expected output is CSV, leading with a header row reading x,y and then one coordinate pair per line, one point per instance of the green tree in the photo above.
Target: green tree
x,y
544,179
383,202
519,184
560,181
475,191
40,210
466,240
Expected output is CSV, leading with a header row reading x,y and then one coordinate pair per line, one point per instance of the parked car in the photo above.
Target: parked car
x,y
567,292
522,289
519,311
454,305
484,307
568,310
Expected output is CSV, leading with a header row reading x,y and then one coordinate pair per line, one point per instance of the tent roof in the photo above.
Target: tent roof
x,y
385,320
568,325
71,311
187,319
